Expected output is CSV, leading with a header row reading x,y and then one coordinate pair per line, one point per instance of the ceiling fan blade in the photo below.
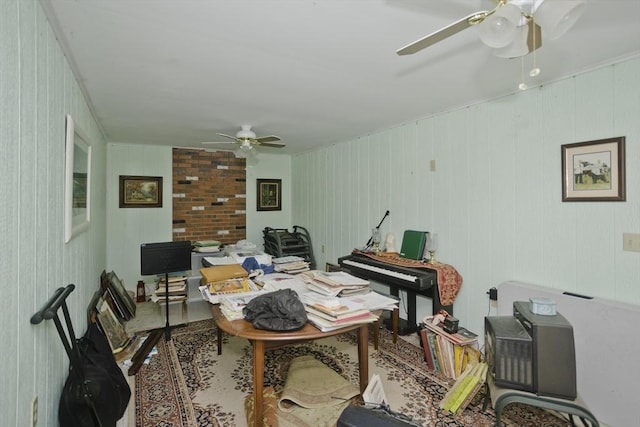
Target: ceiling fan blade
x,y
219,142
443,33
270,138
227,136
271,144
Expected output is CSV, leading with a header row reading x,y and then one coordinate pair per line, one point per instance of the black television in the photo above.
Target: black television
x,y
165,257
531,352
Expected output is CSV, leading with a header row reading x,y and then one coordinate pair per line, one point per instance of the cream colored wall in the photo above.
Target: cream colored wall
x,y
130,227
269,166
495,196
37,90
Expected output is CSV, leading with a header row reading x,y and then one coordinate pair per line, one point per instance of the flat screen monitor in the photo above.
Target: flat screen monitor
x,y
165,257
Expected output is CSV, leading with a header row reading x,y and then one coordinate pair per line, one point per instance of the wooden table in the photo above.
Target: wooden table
x,y
262,341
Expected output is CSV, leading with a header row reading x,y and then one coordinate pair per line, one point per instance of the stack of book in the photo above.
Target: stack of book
x,y
330,313
290,264
448,354
177,289
206,246
335,283
465,388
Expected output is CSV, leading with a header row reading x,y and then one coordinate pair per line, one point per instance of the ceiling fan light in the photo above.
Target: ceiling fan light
x,y
246,146
558,16
526,40
499,29
518,47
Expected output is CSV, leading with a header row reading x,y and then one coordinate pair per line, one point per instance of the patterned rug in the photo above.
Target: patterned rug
x,y
187,384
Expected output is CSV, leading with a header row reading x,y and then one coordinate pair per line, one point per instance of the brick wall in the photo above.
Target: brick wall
x,y
209,199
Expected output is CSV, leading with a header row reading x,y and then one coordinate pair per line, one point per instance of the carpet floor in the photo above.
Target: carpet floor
x,y
187,384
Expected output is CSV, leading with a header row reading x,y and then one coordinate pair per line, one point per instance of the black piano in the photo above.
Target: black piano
x,y
413,281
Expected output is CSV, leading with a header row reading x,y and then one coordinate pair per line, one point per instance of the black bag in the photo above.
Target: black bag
x,y
276,311
359,416
107,385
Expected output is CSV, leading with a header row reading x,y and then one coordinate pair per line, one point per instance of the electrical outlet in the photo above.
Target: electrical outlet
x,y
34,411
631,242
432,165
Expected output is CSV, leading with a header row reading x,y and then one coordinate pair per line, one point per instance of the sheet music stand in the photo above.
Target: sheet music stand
x,y
160,258
165,258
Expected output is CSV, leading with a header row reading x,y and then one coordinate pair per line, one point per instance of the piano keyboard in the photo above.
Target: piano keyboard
x,y
392,273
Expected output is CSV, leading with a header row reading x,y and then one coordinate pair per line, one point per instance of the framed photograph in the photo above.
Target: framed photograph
x,y
269,194
77,188
140,191
593,171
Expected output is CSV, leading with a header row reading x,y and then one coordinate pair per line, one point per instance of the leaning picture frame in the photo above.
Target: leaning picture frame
x,y
269,193
140,191
594,171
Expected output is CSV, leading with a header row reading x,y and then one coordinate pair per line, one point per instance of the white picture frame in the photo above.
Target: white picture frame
x,y
77,189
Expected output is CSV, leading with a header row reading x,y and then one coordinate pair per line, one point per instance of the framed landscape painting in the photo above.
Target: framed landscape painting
x,y
140,191
594,171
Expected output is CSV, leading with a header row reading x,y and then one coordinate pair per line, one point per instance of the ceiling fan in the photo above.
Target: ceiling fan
x,y
513,28
247,139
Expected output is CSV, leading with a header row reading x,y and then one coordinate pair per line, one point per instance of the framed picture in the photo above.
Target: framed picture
x,y
269,195
593,171
77,188
123,300
140,191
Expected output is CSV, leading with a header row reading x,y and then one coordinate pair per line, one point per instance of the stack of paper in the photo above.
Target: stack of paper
x,y
336,283
241,256
329,313
231,305
290,264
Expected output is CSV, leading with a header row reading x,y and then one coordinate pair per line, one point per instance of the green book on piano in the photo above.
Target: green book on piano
x,y
413,243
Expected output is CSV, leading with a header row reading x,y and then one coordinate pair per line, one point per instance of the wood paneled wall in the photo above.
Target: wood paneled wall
x,y
494,196
37,90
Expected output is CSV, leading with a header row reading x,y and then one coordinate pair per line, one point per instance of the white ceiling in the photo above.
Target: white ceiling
x,y
314,72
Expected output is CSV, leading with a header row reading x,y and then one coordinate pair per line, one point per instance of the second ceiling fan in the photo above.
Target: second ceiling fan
x,y
247,139
513,28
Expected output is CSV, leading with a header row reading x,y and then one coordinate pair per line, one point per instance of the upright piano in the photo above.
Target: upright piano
x,y
413,281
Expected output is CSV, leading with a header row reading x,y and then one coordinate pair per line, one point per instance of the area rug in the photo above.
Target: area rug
x,y
188,384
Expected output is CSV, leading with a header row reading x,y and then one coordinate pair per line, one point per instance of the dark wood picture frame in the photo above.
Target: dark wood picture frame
x,y
125,305
594,171
140,191
269,193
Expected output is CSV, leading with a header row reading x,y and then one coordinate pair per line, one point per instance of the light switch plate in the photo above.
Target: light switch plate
x,y
631,242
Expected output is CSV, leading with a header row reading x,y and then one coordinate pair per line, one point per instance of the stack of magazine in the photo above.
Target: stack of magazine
x,y
212,292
